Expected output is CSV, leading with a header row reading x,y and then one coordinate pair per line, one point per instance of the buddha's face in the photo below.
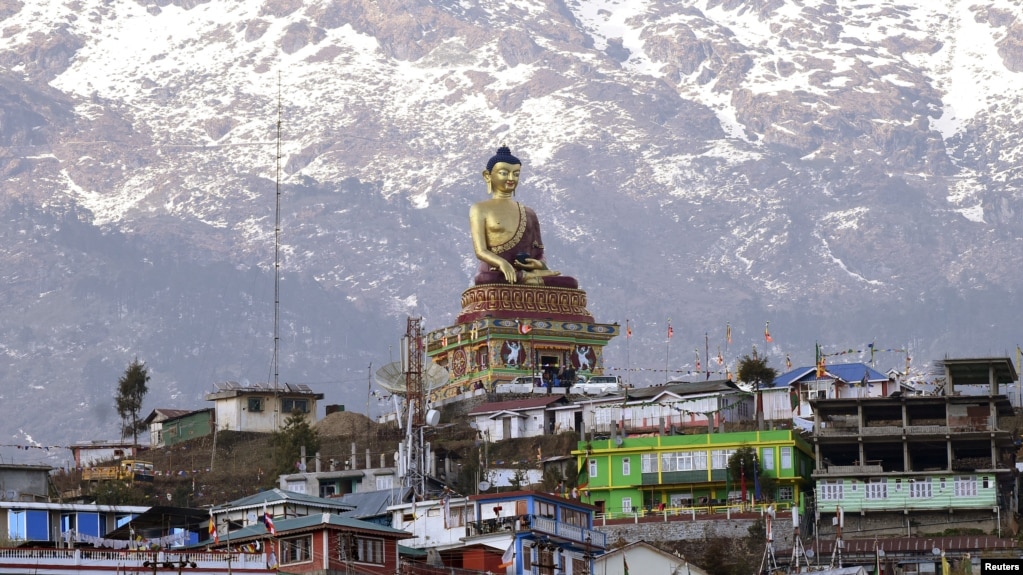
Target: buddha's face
x,y
503,177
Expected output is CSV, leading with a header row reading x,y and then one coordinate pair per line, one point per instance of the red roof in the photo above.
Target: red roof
x,y
517,404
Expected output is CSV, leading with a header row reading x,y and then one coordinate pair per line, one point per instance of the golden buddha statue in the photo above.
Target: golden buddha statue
x,y
506,234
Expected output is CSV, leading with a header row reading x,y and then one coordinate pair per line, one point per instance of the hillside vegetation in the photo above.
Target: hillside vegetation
x,y
214,470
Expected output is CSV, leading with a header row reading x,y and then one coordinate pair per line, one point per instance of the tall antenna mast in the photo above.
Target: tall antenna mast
x,y
277,264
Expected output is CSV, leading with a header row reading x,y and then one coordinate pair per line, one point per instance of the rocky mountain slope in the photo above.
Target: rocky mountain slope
x,y
849,173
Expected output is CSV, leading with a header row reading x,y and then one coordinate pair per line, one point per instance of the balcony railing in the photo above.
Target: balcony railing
x,y
541,524
570,532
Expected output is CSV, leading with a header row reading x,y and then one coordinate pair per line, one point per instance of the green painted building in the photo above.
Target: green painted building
x,y
637,474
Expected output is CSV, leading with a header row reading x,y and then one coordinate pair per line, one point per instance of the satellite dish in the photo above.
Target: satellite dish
x,y
936,551
251,516
619,441
474,425
432,418
393,379
810,553
484,485
301,467
880,552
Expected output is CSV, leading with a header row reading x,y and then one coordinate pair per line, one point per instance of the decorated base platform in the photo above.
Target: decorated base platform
x,y
512,301
506,331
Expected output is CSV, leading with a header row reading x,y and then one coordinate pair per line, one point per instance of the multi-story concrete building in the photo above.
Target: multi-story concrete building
x,y
919,465
631,474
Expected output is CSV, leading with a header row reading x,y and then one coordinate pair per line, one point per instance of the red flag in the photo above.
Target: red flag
x,y
671,332
698,366
525,328
268,521
213,529
767,333
628,329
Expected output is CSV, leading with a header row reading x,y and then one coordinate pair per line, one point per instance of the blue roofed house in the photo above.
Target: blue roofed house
x,y
536,532
790,394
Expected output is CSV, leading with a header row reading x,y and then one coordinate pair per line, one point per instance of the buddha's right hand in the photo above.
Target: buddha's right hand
x,y
508,271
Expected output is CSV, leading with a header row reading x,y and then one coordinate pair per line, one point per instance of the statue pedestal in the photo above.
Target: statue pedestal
x,y
509,330
514,301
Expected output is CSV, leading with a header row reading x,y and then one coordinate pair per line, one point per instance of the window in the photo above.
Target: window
x,y
626,467
965,486
385,482
718,459
920,488
296,486
830,489
28,525
785,493
368,550
573,517
649,462
544,509
296,550
669,462
767,459
626,505
877,488
685,461
593,468
700,460
786,458
289,405
255,404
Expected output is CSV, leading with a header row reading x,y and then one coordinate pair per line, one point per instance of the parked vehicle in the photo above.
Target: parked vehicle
x,y
597,384
125,470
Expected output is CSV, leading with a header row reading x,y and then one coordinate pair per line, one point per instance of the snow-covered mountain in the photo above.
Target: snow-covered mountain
x,y
848,171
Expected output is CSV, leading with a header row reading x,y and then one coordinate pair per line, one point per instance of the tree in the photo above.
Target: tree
x,y
755,371
131,390
744,466
289,441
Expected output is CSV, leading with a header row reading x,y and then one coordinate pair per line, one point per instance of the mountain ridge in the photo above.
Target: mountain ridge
x,y
847,173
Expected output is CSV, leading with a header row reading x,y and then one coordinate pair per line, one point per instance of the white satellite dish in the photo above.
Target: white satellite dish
x,y
432,417
393,379
484,485
251,516
619,441
810,553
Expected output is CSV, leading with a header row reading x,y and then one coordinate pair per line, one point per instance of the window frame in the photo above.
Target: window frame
x,y
375,545
292,554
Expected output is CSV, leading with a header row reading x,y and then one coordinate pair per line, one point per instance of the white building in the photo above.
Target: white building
x,y
530,417
436,524
261,407
642,557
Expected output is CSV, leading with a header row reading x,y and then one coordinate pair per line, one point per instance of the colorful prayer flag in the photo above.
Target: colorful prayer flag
x,y
767,333
728,333
628,329
625,564
268,521
213,529
508,559
671,332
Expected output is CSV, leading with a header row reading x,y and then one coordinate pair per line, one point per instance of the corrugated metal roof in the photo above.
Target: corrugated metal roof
x,y
516,404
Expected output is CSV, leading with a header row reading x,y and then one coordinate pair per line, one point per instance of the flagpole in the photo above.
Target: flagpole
x,y
706,352
667,350
628,363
